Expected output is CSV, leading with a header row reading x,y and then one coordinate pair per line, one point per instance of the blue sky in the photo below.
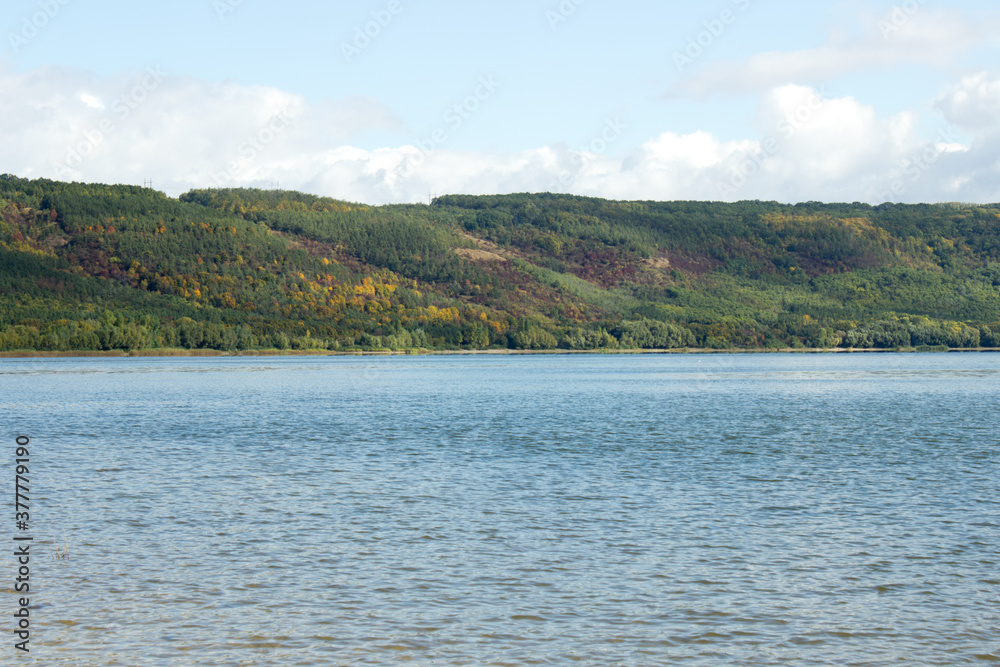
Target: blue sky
x,y
388,100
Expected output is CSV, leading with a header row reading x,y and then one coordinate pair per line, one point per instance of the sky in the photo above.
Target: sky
x,y
385,101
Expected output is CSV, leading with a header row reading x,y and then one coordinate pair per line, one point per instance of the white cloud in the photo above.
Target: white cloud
x,y
72,125
974,103
187,134
924,36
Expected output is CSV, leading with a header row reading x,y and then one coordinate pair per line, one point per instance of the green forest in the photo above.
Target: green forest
x,y
93,267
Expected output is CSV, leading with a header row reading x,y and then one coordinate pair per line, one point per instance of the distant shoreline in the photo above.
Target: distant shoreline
x,y
120,354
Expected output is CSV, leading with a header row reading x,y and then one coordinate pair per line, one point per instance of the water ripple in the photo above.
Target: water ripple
x,y
693,510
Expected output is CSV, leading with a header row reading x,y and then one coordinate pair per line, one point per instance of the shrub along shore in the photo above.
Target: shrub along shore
x,y
120,354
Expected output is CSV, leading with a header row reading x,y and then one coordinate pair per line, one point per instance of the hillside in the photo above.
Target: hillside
x,y
99,267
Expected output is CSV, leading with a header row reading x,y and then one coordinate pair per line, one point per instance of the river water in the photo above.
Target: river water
x,y
510,510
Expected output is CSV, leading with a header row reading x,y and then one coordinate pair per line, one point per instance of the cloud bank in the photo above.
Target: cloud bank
x,y
184,133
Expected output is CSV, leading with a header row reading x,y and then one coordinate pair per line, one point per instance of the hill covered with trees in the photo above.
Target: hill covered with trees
x,y
101,267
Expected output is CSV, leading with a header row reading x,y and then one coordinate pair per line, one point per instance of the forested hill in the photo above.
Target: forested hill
x,y
99,267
